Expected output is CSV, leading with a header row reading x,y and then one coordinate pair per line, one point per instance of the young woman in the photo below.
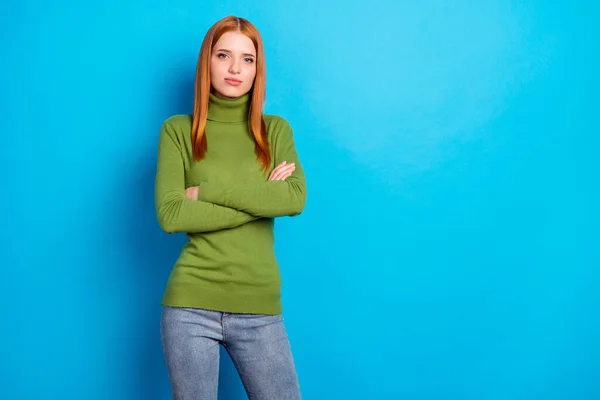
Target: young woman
x,y
224,173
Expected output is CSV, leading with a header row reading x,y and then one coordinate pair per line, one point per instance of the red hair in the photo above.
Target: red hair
x,y
256,124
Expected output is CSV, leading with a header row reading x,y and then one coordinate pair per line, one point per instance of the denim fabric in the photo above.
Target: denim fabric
x,y
258,345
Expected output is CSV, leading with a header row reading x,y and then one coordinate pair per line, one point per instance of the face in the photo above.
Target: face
x,y
232,65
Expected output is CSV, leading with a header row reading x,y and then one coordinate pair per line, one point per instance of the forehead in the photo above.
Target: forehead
x,y
235,42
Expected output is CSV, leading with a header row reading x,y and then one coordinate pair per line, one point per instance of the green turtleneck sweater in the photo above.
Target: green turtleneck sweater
x,y
228,264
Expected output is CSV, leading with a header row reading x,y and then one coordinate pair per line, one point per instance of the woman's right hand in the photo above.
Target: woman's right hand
x,y
282,171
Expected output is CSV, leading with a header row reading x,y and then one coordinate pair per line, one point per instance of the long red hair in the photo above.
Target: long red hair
x,y
256,124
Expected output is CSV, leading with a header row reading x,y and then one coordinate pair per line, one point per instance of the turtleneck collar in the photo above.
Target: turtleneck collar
x,y
225,110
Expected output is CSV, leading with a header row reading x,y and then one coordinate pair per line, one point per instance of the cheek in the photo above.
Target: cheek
x,y
216,69
251,74
213,69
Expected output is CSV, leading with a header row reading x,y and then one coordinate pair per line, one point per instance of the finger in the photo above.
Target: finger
x,y
276,169
284,173
275,172
281,171
279,166
288,171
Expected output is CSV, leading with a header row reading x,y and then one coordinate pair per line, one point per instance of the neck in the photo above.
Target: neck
x,y
228,110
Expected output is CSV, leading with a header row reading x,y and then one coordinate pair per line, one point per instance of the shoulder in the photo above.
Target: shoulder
x,y
176,129
178,122
277,126
276,121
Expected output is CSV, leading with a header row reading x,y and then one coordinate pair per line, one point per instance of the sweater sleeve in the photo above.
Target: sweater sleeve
x,y
175,212
270,198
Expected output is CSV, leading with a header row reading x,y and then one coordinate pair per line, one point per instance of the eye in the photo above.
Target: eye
x,y
222,55
249,60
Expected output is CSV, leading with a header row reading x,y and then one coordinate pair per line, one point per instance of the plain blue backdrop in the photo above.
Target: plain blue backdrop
x,y
449,248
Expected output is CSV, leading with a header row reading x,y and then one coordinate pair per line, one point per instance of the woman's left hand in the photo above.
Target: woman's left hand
x,y
192,192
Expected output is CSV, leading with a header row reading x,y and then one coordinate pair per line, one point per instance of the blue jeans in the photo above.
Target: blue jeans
x,y
258,346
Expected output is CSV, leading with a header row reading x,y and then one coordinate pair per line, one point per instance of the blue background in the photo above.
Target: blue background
x,y
449,247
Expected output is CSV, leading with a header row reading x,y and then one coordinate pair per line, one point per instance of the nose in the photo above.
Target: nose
x,y
234,67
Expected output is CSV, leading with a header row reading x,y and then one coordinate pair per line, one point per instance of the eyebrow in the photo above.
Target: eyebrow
x,y
245,54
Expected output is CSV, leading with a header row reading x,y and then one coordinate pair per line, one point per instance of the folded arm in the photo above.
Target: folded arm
x,y
175,212
268,198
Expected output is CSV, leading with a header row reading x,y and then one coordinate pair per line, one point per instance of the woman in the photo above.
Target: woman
x,y
224,173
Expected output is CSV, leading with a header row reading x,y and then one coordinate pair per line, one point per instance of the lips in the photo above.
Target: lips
x,y
233,81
